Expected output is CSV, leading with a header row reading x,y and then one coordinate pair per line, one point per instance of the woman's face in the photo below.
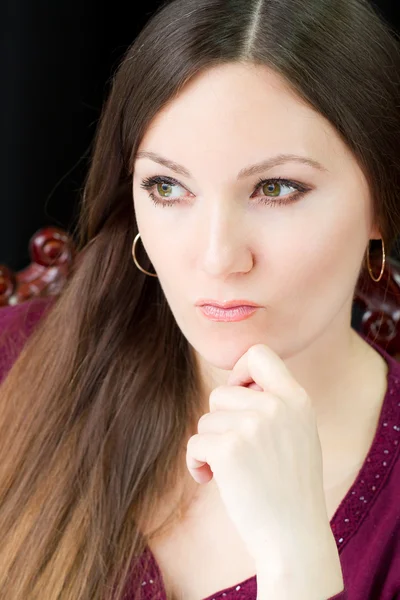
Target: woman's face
x,y
224,229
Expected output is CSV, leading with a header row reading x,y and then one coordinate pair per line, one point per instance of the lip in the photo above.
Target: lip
x,y
226,304
227,315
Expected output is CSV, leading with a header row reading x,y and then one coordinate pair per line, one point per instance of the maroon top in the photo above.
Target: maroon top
x,y
366,524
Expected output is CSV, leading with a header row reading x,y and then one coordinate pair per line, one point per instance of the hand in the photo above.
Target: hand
x,y
261,445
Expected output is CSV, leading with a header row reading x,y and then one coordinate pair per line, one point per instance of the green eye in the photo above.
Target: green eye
x,y
274,191
164,189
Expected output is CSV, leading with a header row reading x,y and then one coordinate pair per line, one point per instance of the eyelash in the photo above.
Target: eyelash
x,y
149,183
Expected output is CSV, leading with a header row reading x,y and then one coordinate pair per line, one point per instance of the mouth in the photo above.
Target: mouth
x,y
227,303
228,311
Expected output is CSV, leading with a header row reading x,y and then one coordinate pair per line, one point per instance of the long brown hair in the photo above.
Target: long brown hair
x,y
97,408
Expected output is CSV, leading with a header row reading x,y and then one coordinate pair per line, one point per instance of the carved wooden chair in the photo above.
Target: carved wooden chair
x,y
52,253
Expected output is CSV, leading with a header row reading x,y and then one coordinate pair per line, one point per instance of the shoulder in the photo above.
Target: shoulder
x,y
16,325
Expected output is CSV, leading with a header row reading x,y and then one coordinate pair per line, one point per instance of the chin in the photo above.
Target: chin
x,y
225,353
222,345
225,363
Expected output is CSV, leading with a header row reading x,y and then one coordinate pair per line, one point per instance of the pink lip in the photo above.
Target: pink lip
x,y
226,304
237,313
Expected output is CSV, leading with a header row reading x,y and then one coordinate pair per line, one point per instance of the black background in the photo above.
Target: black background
x,y
56,59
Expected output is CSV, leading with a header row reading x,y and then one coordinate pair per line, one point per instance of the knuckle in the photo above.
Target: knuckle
x,y
251,425
214,392
275,407
192,442
230,445
213,397
303,398
202,423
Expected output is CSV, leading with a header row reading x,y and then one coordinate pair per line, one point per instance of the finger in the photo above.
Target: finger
x,y
264,367
199,449
236,398
233,397
222,421
202,474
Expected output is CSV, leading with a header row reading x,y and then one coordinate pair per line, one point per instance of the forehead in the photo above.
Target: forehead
x,y
234,114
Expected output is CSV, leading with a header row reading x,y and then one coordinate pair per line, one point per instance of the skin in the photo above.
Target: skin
x,y
299,261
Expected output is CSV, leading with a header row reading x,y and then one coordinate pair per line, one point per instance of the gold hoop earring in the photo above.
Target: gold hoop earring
x,y
135,259
383,263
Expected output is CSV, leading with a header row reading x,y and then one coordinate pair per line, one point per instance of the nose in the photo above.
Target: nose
x,y
225,244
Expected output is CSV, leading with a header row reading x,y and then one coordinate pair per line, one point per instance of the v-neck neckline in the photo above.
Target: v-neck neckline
x,y
358,500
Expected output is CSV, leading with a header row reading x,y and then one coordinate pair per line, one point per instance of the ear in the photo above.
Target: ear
x,y
375,233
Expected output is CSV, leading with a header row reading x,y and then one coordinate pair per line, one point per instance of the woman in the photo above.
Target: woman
x,y
158,442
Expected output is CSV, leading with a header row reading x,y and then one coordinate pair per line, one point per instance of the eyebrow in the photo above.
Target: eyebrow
x,y
246,172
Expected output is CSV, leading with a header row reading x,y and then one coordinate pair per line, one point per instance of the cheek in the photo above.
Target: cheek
x,y
323,261
165,253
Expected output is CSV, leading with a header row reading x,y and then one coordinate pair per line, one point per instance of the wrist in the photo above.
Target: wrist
x,y
315,575
287,587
